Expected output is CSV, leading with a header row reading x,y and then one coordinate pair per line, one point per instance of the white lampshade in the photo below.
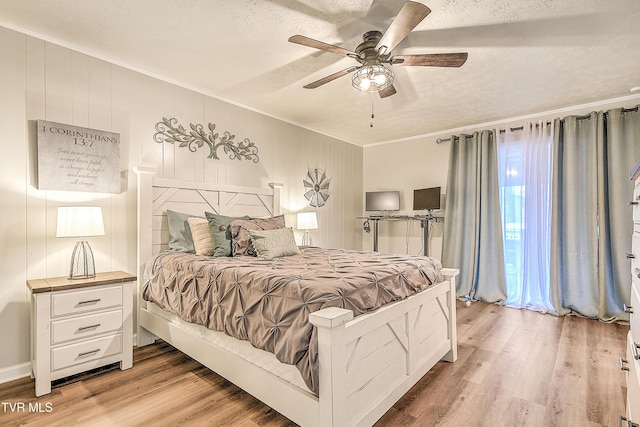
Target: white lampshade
x,y
307,221
80,221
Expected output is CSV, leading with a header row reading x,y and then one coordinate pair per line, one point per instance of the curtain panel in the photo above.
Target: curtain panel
x,y
591,220
473,226
525,156
588,226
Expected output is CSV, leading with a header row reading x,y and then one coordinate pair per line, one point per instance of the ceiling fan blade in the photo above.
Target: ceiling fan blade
x,y
431,59
306,41
387,91
330,78
409,16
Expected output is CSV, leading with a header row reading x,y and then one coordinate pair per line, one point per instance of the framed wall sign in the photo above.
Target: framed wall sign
x,y
72,158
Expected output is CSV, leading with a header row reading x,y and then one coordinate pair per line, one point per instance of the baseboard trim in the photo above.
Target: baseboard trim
x,y
15,372
22,370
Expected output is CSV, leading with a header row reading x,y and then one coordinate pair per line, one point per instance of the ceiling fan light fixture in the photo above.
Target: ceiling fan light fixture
x,y
372,78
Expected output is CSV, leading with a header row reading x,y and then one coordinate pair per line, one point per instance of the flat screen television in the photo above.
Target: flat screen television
x,y
382,201
426,199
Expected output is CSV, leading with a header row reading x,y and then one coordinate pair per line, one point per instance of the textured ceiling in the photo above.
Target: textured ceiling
x,y
525,56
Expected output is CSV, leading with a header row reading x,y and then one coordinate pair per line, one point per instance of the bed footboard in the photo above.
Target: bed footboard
x,y
366,364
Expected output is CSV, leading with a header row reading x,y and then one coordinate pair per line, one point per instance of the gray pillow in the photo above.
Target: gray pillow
x,y
180,238
219,225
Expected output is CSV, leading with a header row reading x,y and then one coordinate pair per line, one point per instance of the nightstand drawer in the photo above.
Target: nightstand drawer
x,y
85,326
86,351
64,303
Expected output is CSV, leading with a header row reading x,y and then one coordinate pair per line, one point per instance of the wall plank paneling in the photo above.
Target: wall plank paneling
x,y
126,91
36,215
13,227
41,80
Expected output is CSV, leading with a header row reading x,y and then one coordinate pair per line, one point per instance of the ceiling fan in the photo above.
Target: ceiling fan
x,y
375,50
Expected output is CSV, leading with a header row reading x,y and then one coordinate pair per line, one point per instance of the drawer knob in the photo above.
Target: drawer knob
x,y
634,203
623,364
630,256
627,308
627,421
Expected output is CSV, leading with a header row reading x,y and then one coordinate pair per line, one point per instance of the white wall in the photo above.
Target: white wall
x,y
405,166
422,163
40,80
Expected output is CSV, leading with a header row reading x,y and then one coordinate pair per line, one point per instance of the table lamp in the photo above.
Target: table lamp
x,y
307,221
80,221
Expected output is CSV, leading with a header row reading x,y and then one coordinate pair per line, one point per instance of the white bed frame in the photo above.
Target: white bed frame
x,y
365,363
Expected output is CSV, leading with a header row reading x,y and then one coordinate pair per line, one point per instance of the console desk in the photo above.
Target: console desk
x,y
424,223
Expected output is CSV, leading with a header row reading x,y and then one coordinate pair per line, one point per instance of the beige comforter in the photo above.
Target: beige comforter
x,y
268,302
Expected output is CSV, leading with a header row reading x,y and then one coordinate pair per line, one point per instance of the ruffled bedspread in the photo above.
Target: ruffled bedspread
x,y
268,302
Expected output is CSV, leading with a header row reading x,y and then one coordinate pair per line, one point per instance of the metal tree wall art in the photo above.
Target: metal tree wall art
x,y
168,130
316,186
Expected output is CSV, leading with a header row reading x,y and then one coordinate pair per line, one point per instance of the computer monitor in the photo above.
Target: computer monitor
x,y
382,201
426,199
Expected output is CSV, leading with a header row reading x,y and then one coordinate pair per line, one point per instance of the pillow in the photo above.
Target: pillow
x,y
180,238
270,244
201,233
219,226
240,238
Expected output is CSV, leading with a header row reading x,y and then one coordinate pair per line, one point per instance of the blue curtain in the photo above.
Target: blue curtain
x,y
591,220
472,226
573,261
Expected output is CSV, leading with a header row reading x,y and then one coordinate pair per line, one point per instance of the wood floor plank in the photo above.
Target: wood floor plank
x,y
514,368
539,360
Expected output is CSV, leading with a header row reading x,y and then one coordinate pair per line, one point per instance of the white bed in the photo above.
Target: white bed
x,y
365,363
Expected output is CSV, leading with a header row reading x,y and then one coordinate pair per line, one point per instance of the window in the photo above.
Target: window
x,y
525,178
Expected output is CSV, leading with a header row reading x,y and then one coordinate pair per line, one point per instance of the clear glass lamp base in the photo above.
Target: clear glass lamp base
x,y
306,239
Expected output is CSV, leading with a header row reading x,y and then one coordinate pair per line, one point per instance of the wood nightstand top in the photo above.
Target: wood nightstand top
x,y
37,286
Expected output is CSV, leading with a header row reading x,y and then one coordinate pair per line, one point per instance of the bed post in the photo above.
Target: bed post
x,y
332,364
145,202
277,187
450,274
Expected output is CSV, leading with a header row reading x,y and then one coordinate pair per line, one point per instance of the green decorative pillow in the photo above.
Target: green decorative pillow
x,y
270,244
180,238
219,225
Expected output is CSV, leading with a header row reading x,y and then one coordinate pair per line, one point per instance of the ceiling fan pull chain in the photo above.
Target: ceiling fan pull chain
x,y
372,115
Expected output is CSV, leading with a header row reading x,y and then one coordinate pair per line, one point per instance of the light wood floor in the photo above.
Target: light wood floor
x,y
514,368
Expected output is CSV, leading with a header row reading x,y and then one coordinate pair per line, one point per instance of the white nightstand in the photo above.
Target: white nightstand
x,y
78,325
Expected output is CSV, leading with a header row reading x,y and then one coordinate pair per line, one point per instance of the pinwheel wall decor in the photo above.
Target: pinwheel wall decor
x,y
316,186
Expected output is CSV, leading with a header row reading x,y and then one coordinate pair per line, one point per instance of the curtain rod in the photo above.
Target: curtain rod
x,y
585,117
